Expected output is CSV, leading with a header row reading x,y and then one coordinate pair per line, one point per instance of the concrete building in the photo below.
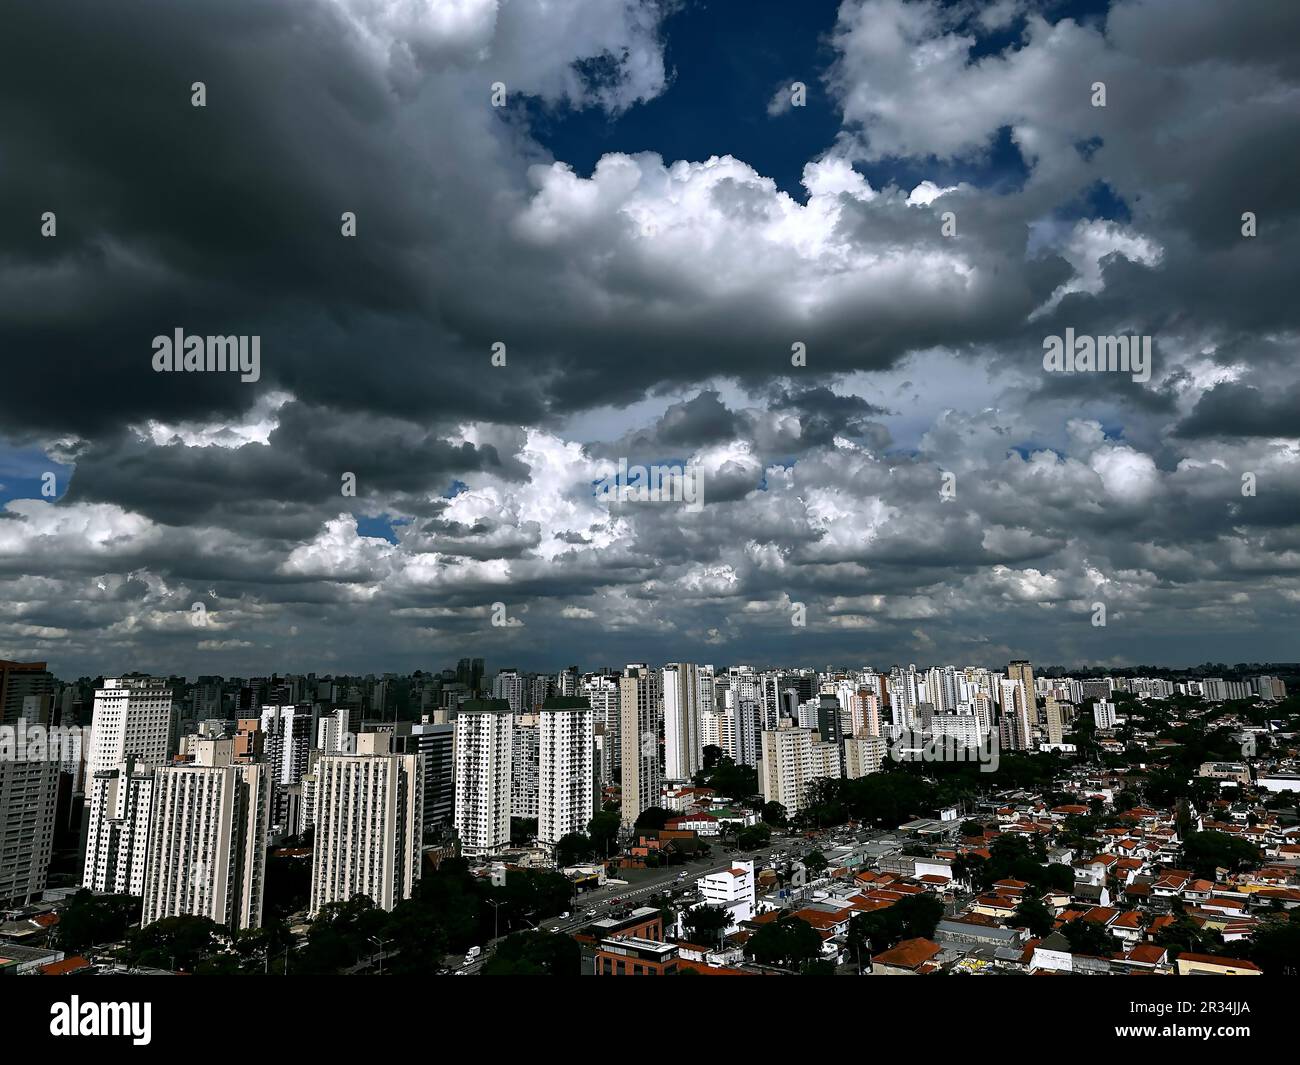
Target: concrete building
x,y
863,755
368,809
287,734
435,744
484,744
523,766
117,846
29,791
566,768
792,759
683,752
21,682
132,721
207,839
639,702
732,890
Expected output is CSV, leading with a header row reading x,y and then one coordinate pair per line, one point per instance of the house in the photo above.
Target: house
x,y
1210,965
912,957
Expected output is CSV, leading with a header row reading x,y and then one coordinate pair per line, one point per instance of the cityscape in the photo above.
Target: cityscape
x,y
603,488
681,819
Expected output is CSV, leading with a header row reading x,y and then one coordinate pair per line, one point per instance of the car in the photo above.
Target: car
x,y
564,916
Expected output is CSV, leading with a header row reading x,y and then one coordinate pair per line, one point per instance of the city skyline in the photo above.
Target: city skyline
x,y
355,380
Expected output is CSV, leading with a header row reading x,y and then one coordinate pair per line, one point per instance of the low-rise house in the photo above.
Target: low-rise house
x,y
912,957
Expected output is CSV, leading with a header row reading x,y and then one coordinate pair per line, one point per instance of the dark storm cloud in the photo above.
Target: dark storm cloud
x,y
677,285
1237,409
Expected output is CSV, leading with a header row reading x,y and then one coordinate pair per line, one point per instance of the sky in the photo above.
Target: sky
x,y
646,209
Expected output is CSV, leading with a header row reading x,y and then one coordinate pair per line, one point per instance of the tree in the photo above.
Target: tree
x,y
1275,948
1088,937
816,863
523,831
602,830
705,924
786,943
572,848
912,917
535,954
178,943
753,837
972,828
1205,852
1183,936
1033,914
654,817
773,813
88,920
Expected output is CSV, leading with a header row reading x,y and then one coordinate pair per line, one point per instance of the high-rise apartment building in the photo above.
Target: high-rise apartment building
x,y
523,767
863,755
683,752
512,686
484,744
1024,672
791,761
369,813
28,796
566,770
639,703
207,839
435,744
117,845
20,682
132,719
131,722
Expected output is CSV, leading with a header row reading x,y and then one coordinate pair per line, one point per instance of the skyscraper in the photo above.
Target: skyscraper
x,y
1024,672
117,845
132,719
566,770
287,733
435,744
639,700
484,743
132,722
207,839
369,815
523,767
682,748
28,796
20,681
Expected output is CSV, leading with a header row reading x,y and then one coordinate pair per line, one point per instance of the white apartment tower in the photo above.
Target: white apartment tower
x,y
207,839
566,773
639,704
484,744
369,812
792,759
132,721
118,840
683,752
